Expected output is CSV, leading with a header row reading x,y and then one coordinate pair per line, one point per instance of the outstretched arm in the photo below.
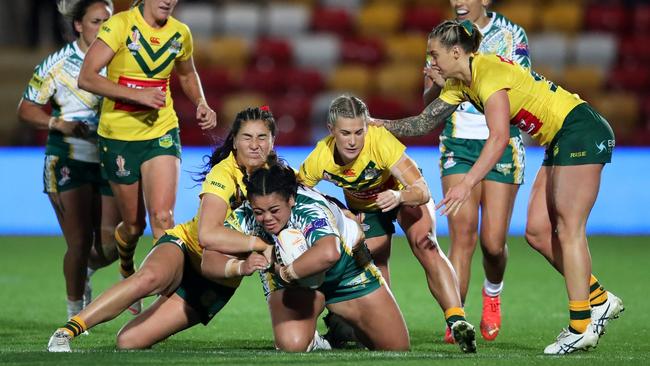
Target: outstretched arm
x,y
415,190
430,118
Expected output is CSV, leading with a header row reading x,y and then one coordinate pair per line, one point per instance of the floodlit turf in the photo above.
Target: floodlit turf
x,y
534,306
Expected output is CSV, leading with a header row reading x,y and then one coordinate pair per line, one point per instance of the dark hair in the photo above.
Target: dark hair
x,y
276,177
222,151
458,33
347,106
75,11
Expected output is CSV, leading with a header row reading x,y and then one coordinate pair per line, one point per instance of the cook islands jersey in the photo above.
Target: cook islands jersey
x,y
537,106
365,177
501,37
55,79
144,57
224,180
313,215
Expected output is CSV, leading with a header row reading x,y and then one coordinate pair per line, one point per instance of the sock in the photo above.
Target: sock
x,y
579,316
74,307
74,326
89,273
125,251
597,293
453,315
492,289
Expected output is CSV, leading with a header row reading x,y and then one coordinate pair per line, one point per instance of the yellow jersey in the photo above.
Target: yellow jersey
x,y
537,106
224,180
365,177
144,57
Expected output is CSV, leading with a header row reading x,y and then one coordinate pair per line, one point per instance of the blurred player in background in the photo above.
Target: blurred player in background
x,y
578,140
82,200
383,184
173,269
461,142
139,138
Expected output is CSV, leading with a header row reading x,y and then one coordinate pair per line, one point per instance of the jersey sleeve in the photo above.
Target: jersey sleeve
x,y
41,86
310,173
219,182
451,93
318,225
188,44
112,32
494,78
520,51
387,147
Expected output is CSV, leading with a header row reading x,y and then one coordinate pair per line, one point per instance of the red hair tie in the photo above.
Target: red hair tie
x,y
265,108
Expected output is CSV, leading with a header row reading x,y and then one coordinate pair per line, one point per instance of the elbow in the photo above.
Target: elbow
x,y
203,239
82,82
331,257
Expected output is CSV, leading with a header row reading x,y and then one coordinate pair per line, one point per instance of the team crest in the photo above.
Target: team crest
x,y
166,141
134,46
121,172
65,176
175,47
504,168
450,162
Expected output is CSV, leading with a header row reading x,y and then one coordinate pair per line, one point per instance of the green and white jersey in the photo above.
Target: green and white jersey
x,y
55,80
314,215
501,37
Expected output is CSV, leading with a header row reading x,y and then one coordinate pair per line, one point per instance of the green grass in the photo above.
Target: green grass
x,y
534,306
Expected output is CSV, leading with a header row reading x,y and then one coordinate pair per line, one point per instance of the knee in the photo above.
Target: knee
x,y
163,219
292,343
493,246
535,236
129,339
146,282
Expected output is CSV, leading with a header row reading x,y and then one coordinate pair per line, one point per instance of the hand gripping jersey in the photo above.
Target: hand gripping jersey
x,y
500,37
224,180
537,106
55,79
144,57
361,179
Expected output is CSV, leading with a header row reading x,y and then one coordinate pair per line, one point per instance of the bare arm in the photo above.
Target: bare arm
x,y
98,56
34,115
431,117
191,85
415,192
497,115
216,266
433,84
213,235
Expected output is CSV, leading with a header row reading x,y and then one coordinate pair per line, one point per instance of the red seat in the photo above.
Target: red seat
x,y
385,107
303,81
422,19
266,81
291,114
634,78
642,18
607,17
333,20
271,52
634,49
362,50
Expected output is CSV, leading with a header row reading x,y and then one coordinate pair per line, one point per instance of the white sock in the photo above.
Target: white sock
x,y
89,272
492,289
74,307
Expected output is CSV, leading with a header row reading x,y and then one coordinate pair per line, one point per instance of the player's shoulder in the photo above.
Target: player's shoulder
x,y
504,23
178,25
54,59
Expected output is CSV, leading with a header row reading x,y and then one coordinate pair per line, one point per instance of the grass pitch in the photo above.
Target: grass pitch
x,y
534,308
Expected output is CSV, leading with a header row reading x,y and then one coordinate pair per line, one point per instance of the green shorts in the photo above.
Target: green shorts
x,y
377,223
457,156
207,298
345,281
585,138
61,174
121,160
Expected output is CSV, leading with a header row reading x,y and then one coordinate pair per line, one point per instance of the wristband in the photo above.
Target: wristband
x,y
50,123
233,268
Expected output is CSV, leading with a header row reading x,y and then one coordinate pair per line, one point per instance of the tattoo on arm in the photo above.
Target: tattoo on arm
x,y
432,116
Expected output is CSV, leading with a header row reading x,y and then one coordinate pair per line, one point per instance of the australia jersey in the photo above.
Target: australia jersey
x,y
224,180
537,106
144,57
365,177
313,215
500,37
55,80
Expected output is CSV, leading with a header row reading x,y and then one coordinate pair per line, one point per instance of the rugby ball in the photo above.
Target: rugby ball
x,y
289,245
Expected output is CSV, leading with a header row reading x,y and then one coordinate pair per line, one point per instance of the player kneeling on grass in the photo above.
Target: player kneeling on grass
x,y
332,247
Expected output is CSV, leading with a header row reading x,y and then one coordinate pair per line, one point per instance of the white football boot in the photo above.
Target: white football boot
x,y
569,342
319,343
464,335
603,313
59,342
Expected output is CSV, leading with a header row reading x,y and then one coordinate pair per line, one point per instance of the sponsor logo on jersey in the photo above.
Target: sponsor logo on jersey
x,y
121,162
154,41
316,224
138,84
217,184
349,173
449,163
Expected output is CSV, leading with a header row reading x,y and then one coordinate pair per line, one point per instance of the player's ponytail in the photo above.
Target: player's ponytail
x,y
464,34
222,151
347,106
